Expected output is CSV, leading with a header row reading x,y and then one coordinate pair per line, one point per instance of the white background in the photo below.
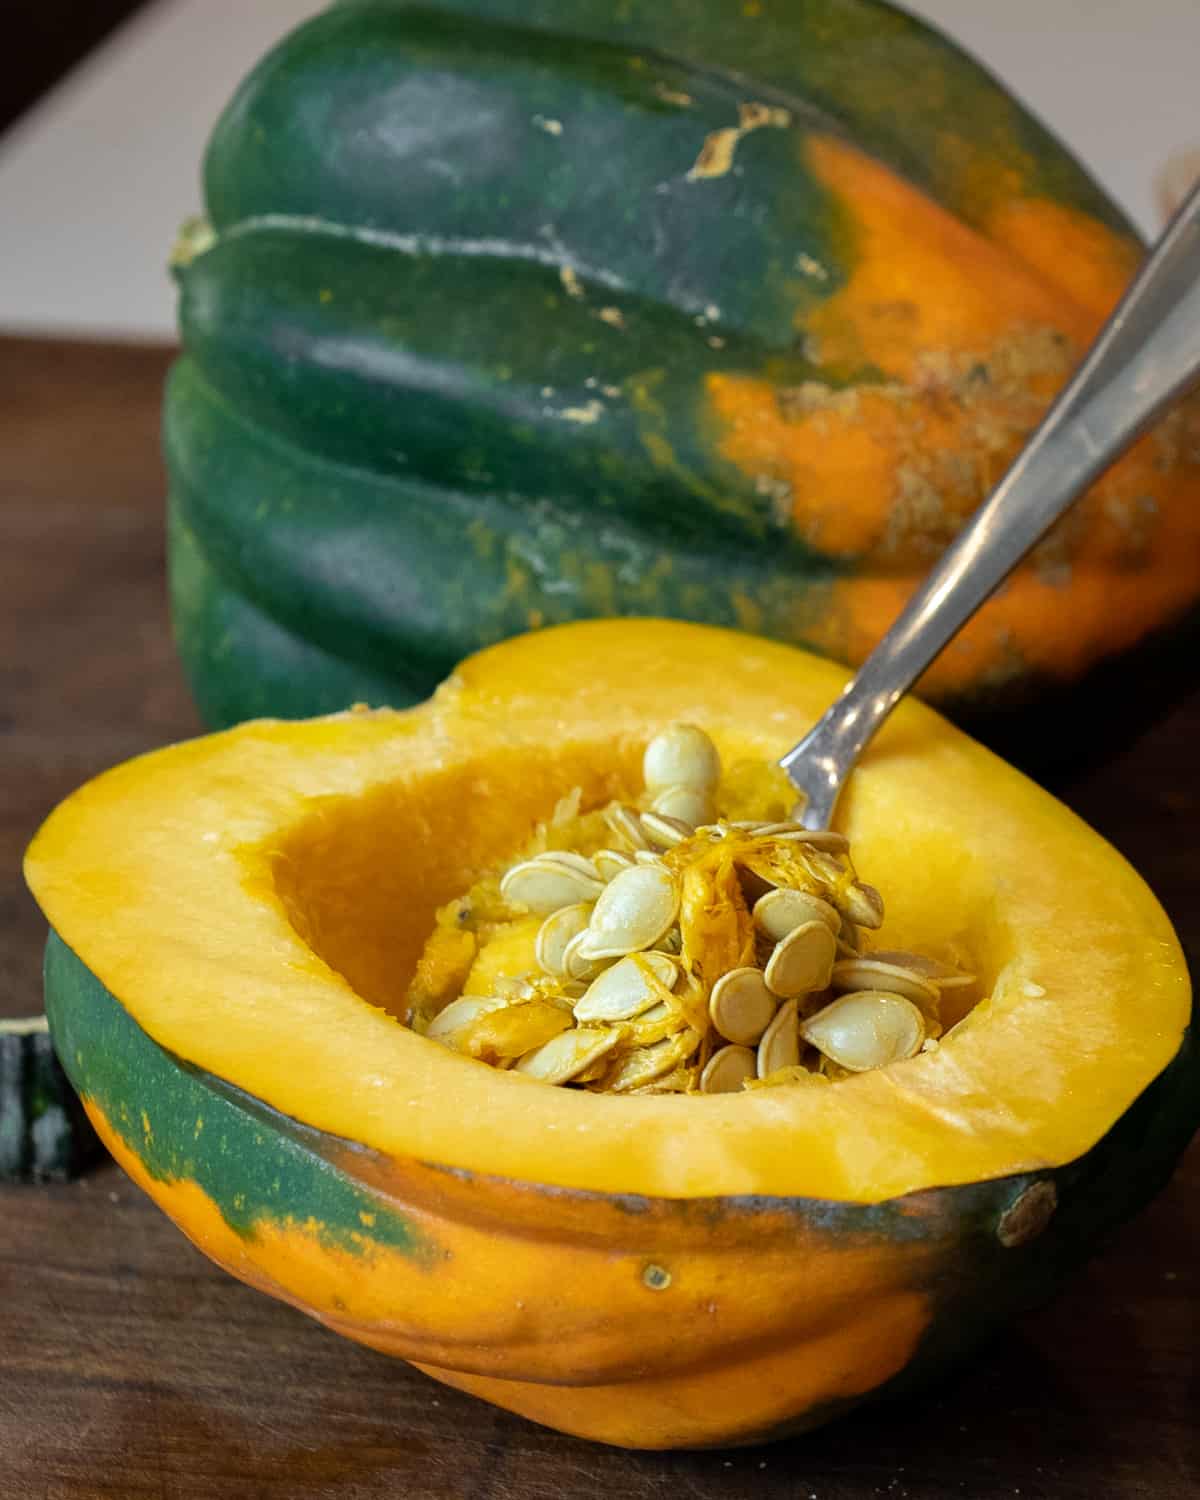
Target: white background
x,y
96,179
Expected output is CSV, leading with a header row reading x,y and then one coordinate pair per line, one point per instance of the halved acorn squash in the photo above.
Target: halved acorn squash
x,y
235,923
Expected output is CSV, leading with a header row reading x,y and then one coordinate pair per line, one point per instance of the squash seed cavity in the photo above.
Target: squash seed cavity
x,y
680,951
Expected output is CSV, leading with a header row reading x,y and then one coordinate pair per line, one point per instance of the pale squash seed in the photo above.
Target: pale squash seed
x,y
866,1030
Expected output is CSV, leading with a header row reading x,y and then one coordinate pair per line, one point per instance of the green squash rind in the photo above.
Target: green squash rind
x,y
243,663
183,1125
263,1168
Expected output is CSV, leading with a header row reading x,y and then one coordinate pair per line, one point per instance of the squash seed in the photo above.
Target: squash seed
x,y
681,1080
945,976
649,857
780,1044
781,911
661,1020
610,862
869,972
510,988
628,988
460,1013
863,905
671,942
636,908
544,885
866,1030
665,832
688,804
511,1031
741,1006
570,1053
648,1063
849,939
556,932
826,868
802,961
823,839
682,755
728,1070
570,861
625,822
596,1072
576,965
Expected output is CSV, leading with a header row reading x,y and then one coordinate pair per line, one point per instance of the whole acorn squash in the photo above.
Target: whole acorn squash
x,y
511,312
235,922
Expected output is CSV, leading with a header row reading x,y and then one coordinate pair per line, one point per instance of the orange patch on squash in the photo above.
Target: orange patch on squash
x,y
780,1325
971,336
766,1388
923,280
1080,256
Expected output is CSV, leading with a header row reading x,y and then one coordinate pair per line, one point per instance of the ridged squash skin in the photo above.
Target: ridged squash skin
x,y
511,312
654,1272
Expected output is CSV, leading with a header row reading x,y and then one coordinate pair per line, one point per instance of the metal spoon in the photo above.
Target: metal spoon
x,y
1147,355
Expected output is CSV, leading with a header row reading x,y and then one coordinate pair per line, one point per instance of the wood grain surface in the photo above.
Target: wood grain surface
x,y
130,1367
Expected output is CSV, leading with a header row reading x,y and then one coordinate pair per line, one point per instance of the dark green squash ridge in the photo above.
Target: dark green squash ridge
x,y
250,521
367,72
447,345
244,663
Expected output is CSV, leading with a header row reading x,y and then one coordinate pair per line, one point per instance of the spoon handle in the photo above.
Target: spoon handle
x,y
1146,356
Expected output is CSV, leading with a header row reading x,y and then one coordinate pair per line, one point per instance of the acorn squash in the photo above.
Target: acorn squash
x,y
511,312
235,923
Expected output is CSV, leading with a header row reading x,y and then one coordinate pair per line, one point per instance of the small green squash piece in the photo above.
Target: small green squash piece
x,y
45,1136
